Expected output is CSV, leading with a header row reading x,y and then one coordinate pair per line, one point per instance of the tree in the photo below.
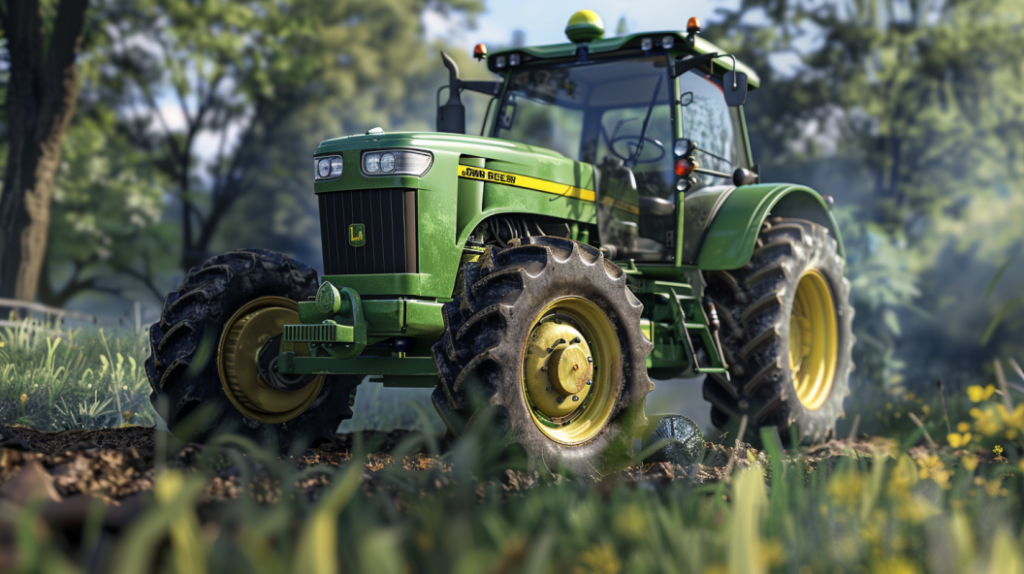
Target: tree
x,y
237,73
41,95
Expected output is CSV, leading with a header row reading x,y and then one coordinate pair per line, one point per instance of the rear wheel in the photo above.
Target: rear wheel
x,y
787,334
546,338
209,366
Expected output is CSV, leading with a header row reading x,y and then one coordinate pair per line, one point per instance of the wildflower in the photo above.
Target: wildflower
x,y
977,393
963,426
957,440
1,344
24,398
998,450
128,415
89,386
926,410
969,462
986,421
1015,419
630,523
602,558
932,467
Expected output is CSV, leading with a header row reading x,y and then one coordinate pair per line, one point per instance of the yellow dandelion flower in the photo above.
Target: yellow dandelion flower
x,y
957,440
602,558
986,422
963,426
24,398
969,462
1,344
931,467
1015,419
998,450
977,393
926,410
630,523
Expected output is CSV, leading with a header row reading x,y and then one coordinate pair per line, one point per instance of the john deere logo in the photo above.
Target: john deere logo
x,y
357,235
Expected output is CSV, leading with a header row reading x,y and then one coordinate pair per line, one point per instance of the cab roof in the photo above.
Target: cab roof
x,y
628,43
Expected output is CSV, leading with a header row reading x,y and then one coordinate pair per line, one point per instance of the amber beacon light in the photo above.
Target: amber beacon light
x,y
479,51
693,25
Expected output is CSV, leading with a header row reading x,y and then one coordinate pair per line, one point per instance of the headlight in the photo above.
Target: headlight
x,y
499,62
397,162
329,167
646,44
667,42
513,59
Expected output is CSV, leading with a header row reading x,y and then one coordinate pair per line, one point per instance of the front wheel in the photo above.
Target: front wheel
x,y
205,367
546,337
787,334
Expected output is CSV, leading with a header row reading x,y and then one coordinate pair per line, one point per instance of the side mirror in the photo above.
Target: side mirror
x,y
735,86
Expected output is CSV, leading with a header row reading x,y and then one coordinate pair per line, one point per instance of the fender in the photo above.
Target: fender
x,y
727,241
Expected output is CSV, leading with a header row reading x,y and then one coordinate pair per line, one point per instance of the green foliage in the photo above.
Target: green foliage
x,y
57,379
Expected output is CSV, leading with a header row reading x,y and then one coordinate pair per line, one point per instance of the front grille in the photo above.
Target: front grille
x,y
388,217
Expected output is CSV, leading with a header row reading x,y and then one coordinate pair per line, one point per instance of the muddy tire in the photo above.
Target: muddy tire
x,y
789,366
185,365
514,324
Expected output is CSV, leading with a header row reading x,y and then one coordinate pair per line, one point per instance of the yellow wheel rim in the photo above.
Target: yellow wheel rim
x,y
240,344
813,340
569,362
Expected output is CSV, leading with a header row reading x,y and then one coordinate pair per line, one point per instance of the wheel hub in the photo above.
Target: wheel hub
x,y
813,340
569,397
238,362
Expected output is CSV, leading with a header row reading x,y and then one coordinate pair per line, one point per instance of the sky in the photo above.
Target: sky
x,y
543,21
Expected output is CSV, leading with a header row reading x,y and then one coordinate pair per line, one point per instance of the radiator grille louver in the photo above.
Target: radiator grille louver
x,y
389,220
311,333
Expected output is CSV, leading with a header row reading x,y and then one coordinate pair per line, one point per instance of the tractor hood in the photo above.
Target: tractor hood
x,y
450,150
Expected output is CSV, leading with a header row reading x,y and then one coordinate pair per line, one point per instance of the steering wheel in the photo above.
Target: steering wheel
x,y
632,148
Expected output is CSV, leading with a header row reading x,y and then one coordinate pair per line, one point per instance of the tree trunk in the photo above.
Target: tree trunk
x,y
41,99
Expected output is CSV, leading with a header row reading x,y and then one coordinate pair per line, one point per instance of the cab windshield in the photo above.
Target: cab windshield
x,y
597,111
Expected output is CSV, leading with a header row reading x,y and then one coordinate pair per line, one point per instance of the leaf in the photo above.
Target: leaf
x,y
317,549
991,329
892,321
999,275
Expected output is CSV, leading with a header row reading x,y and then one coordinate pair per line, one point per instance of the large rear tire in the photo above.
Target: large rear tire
x,y
787,334
544,343
202,368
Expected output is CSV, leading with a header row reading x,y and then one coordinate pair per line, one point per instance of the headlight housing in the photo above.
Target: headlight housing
x,y
396,162
328,167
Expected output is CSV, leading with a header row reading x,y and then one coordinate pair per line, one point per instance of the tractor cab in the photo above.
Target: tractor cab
x,y
649,113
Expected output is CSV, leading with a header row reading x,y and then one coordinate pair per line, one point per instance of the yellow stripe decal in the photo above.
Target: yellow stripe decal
x,y
621,205
489,175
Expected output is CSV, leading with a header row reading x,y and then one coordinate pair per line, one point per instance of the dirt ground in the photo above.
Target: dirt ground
x,y
74,472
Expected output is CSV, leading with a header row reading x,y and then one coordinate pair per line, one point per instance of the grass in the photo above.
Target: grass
x,y
58,379
905,508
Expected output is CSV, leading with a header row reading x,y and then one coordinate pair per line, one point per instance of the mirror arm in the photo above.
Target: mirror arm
x,y
486,88
678,67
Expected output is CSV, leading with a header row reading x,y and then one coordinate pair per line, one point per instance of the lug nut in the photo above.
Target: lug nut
x,y
561,400
547,389
575,398
590,383
590,359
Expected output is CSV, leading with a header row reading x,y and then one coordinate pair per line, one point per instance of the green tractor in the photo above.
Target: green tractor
x,y
607,226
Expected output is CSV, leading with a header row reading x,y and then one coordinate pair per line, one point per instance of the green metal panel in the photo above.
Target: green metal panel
x,y
729,241
449,207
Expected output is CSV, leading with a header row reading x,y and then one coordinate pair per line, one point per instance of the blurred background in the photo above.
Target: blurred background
x,y
139,138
